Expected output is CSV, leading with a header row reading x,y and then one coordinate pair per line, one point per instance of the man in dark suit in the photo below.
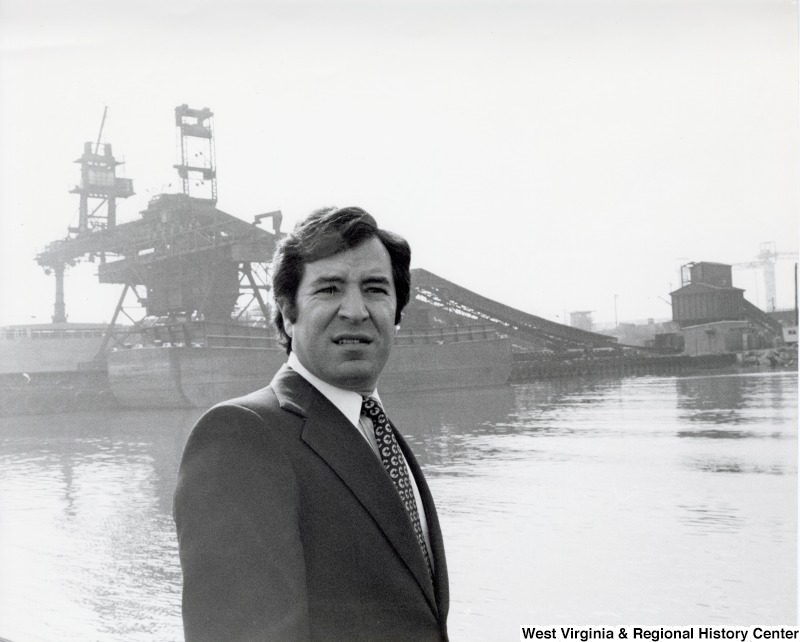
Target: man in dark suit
x,y
301,512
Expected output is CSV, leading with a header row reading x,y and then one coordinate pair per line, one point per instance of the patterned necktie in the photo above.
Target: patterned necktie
x,y
395,465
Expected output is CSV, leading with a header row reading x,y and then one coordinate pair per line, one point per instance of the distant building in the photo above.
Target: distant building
x,y
719,337
581,320
642,334
668,342
708,298
788,319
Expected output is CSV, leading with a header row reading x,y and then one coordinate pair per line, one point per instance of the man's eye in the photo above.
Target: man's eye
x,y
328,289
378,290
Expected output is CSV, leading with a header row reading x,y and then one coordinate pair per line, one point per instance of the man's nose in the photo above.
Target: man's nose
x,y
353,306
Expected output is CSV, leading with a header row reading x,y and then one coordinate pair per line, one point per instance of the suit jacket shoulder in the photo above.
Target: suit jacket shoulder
x,y
235,485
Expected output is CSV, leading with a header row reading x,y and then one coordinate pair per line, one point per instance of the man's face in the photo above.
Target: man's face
x,y
345,307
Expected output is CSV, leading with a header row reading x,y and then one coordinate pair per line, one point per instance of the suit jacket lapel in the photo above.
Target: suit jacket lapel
x,y
336,441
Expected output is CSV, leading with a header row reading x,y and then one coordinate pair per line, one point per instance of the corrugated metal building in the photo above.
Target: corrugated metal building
x,y
715,317
708,297
698,303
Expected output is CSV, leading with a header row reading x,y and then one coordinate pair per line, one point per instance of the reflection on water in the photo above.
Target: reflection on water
x,y
707,519
716,433
648,500
448,428
731,400
86,534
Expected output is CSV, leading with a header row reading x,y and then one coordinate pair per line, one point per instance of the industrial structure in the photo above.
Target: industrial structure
x,y
581,319
766,260
715,317
527,331
197,279
99,189
183,258
197,165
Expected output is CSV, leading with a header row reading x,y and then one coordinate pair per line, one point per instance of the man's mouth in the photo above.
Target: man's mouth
x,y
349,341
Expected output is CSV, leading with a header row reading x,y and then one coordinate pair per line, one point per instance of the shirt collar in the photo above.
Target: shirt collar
x,y
347,401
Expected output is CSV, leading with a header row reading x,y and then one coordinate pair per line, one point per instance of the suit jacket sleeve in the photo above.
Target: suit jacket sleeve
x,y
236,512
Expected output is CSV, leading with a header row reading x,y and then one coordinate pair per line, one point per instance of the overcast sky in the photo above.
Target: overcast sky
x,y
549,154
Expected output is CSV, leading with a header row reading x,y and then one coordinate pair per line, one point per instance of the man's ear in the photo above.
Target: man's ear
x,y
288,326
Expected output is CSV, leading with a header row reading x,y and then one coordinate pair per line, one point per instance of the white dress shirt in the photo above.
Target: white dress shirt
x,y
349,404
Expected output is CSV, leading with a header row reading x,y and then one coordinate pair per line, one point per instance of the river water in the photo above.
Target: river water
x,y
647,501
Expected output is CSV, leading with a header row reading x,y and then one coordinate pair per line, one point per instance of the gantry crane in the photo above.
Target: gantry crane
x,y
183,258
766,259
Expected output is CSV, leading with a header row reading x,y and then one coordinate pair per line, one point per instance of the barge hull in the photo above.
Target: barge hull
x,y
178,376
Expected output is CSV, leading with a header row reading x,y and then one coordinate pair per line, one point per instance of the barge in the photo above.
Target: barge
x,y
175,376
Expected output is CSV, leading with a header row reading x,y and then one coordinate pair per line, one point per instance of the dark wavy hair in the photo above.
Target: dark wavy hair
x,y
321,234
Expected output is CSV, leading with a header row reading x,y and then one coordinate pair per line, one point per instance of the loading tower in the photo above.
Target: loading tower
x,y
99,189
182,259
197,164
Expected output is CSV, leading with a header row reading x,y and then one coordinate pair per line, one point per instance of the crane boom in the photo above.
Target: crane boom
x,y
100,133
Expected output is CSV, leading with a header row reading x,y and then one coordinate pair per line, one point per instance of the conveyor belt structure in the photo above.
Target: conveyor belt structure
x,y
527,331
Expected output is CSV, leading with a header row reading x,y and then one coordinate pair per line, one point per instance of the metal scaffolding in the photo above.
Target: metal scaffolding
x,y
183,258
197,153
